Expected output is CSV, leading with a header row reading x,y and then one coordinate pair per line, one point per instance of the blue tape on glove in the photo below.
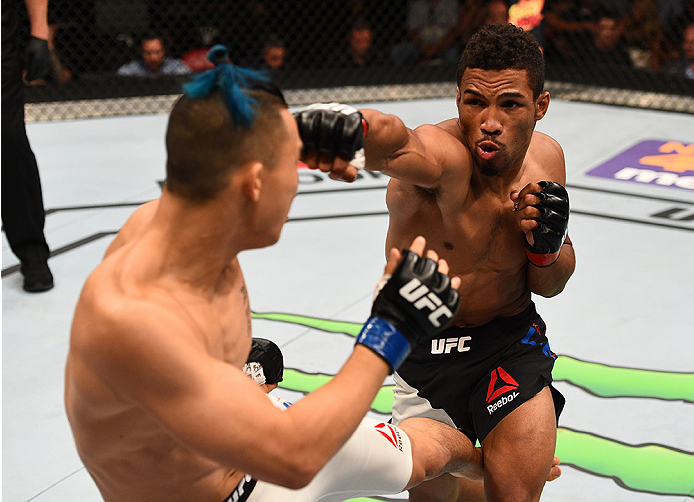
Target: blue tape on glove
x,y
385,340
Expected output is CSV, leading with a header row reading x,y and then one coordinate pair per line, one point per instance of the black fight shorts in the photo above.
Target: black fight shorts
x,y
471,378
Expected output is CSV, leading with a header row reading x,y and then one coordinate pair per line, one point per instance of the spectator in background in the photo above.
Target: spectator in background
x,y
273,57
196,58
432,29
683,66
23,216
471,15
359,51
642,34
153,60
569,28
497,12
606,50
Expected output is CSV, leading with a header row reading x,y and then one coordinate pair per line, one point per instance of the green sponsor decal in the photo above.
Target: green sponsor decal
x,y
648,468
613,381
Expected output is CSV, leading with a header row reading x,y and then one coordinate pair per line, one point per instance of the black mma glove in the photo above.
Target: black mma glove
x,y
552,225
265,363
415,304
332,129
37,58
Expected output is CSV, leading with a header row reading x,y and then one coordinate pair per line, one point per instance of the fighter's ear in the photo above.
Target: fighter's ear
x,y
251,185
541,105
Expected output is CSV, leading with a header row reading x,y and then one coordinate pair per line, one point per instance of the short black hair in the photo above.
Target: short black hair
x,y
504,46
152,34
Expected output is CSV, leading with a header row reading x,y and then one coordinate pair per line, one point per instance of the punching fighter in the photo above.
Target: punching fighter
x,y
488,193
156,398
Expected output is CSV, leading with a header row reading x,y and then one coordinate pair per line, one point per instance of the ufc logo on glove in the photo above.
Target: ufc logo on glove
x,y
416,303
420,296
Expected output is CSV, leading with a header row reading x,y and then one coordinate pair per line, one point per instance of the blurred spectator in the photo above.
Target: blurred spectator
x,y
196,58
607,49
153,60
670,13
642,34
569,28
273,57
431,31
497,12
274,54
359,51
683,66
674,16
529,15
471,15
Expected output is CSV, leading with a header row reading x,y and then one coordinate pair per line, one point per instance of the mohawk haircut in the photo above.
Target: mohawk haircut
x,y
226,117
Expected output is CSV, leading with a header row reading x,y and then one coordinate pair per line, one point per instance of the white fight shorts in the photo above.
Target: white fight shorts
x,y
376,460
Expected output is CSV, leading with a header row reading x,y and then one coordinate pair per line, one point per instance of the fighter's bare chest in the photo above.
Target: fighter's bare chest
x,y
482,234
223,325
235,329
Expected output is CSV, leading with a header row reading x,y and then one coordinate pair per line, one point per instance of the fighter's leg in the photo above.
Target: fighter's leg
x,y
438,449
519,451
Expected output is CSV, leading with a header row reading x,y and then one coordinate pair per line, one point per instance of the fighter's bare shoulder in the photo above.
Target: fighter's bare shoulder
x,y
115,313
547,151
445,142
447,131
134,226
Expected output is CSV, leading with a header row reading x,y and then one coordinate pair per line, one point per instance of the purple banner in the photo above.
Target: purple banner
x,y
652,162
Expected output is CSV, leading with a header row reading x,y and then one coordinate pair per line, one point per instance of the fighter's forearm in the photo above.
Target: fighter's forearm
x,y
550,281
38,17
385,139
394,149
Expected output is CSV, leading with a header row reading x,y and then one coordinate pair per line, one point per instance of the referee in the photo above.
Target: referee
x,y
23,215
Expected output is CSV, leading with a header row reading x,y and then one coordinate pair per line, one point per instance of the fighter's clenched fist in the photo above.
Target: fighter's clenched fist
x,y
333,137
543,215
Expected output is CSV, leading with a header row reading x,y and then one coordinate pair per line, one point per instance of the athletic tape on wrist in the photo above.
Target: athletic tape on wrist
x,y
385,340
542,260
359,160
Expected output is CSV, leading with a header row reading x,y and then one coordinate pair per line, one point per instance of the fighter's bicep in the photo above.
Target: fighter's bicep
x,y
430,156
206,404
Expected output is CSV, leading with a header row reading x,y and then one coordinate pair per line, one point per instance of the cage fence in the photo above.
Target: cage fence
x,y
133,56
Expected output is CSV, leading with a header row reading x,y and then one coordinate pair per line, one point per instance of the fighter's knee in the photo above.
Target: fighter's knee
x,y
512,488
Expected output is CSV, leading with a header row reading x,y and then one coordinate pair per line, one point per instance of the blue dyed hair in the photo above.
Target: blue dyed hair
x,y
232,81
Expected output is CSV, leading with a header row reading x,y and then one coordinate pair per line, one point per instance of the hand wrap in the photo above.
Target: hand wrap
x,y
552,225
415,304
333,129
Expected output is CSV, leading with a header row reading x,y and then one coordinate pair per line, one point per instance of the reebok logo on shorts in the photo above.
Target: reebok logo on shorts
x,y
500,383
389,432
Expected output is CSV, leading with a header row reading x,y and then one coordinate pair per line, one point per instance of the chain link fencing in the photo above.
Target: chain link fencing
x,y
132,56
